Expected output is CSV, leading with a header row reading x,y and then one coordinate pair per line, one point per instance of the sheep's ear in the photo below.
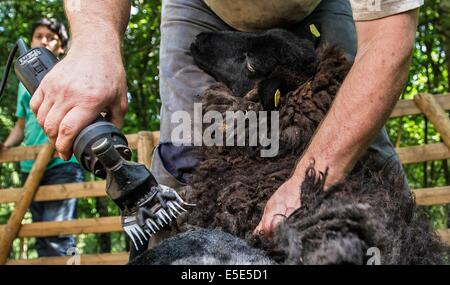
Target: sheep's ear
x,y
269,93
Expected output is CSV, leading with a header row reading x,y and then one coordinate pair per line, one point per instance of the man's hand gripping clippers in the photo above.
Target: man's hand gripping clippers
x,y
102,149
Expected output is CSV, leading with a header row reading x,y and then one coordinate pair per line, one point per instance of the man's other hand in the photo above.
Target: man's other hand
x,y
282,203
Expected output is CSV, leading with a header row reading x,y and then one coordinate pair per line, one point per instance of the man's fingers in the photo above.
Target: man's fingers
x,y
36,100
118,112
262,227
291,210
71,125
276,220
268,224
42,113
117,120
53,120
257,230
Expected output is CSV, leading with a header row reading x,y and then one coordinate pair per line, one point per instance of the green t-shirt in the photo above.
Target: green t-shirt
x,y
34,135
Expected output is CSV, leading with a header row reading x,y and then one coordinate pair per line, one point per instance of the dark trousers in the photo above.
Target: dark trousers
x,y
61,210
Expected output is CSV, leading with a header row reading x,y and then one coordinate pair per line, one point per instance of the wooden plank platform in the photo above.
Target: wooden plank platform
x,y
74,227
89,259
58,192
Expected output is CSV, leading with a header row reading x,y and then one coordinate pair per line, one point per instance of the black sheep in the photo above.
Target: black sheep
x,y
262,62
369,209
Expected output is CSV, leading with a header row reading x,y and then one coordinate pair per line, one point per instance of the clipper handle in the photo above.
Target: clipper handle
x,y
32,66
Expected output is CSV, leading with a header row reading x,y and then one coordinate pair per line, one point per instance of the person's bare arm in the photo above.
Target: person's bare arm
x,y
363,105
15,137
90,79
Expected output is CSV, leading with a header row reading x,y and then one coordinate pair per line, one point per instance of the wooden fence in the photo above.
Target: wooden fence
x,y
144,143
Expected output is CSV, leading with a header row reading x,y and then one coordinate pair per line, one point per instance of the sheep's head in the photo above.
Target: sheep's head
x,y
260,66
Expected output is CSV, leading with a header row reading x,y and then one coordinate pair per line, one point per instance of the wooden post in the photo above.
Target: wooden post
x,y
144,148
22,204
434,112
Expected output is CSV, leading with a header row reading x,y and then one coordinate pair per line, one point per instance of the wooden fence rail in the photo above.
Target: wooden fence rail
x,y
30,188
409,154
29,153
88,259
409,107
144,143
74,227
58,192
424,197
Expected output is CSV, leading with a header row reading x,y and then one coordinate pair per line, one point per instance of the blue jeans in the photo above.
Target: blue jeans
x,y
56,210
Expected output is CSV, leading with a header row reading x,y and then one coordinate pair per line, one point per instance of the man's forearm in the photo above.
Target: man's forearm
x,y
15,137
363,106
97,20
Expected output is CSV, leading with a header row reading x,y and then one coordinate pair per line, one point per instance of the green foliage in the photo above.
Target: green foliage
x,y
429,73
141,52
141,58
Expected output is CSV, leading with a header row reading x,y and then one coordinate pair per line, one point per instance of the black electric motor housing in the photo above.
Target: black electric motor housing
x,y
99,129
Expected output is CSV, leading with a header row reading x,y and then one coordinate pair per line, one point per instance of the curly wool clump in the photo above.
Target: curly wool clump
x,y
233,184
366,210
338,226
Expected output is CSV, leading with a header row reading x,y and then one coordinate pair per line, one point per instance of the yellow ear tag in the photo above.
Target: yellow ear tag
x,y
314,30
277,97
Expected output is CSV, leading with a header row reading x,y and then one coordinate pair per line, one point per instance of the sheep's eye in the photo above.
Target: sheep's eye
x,y
250,67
